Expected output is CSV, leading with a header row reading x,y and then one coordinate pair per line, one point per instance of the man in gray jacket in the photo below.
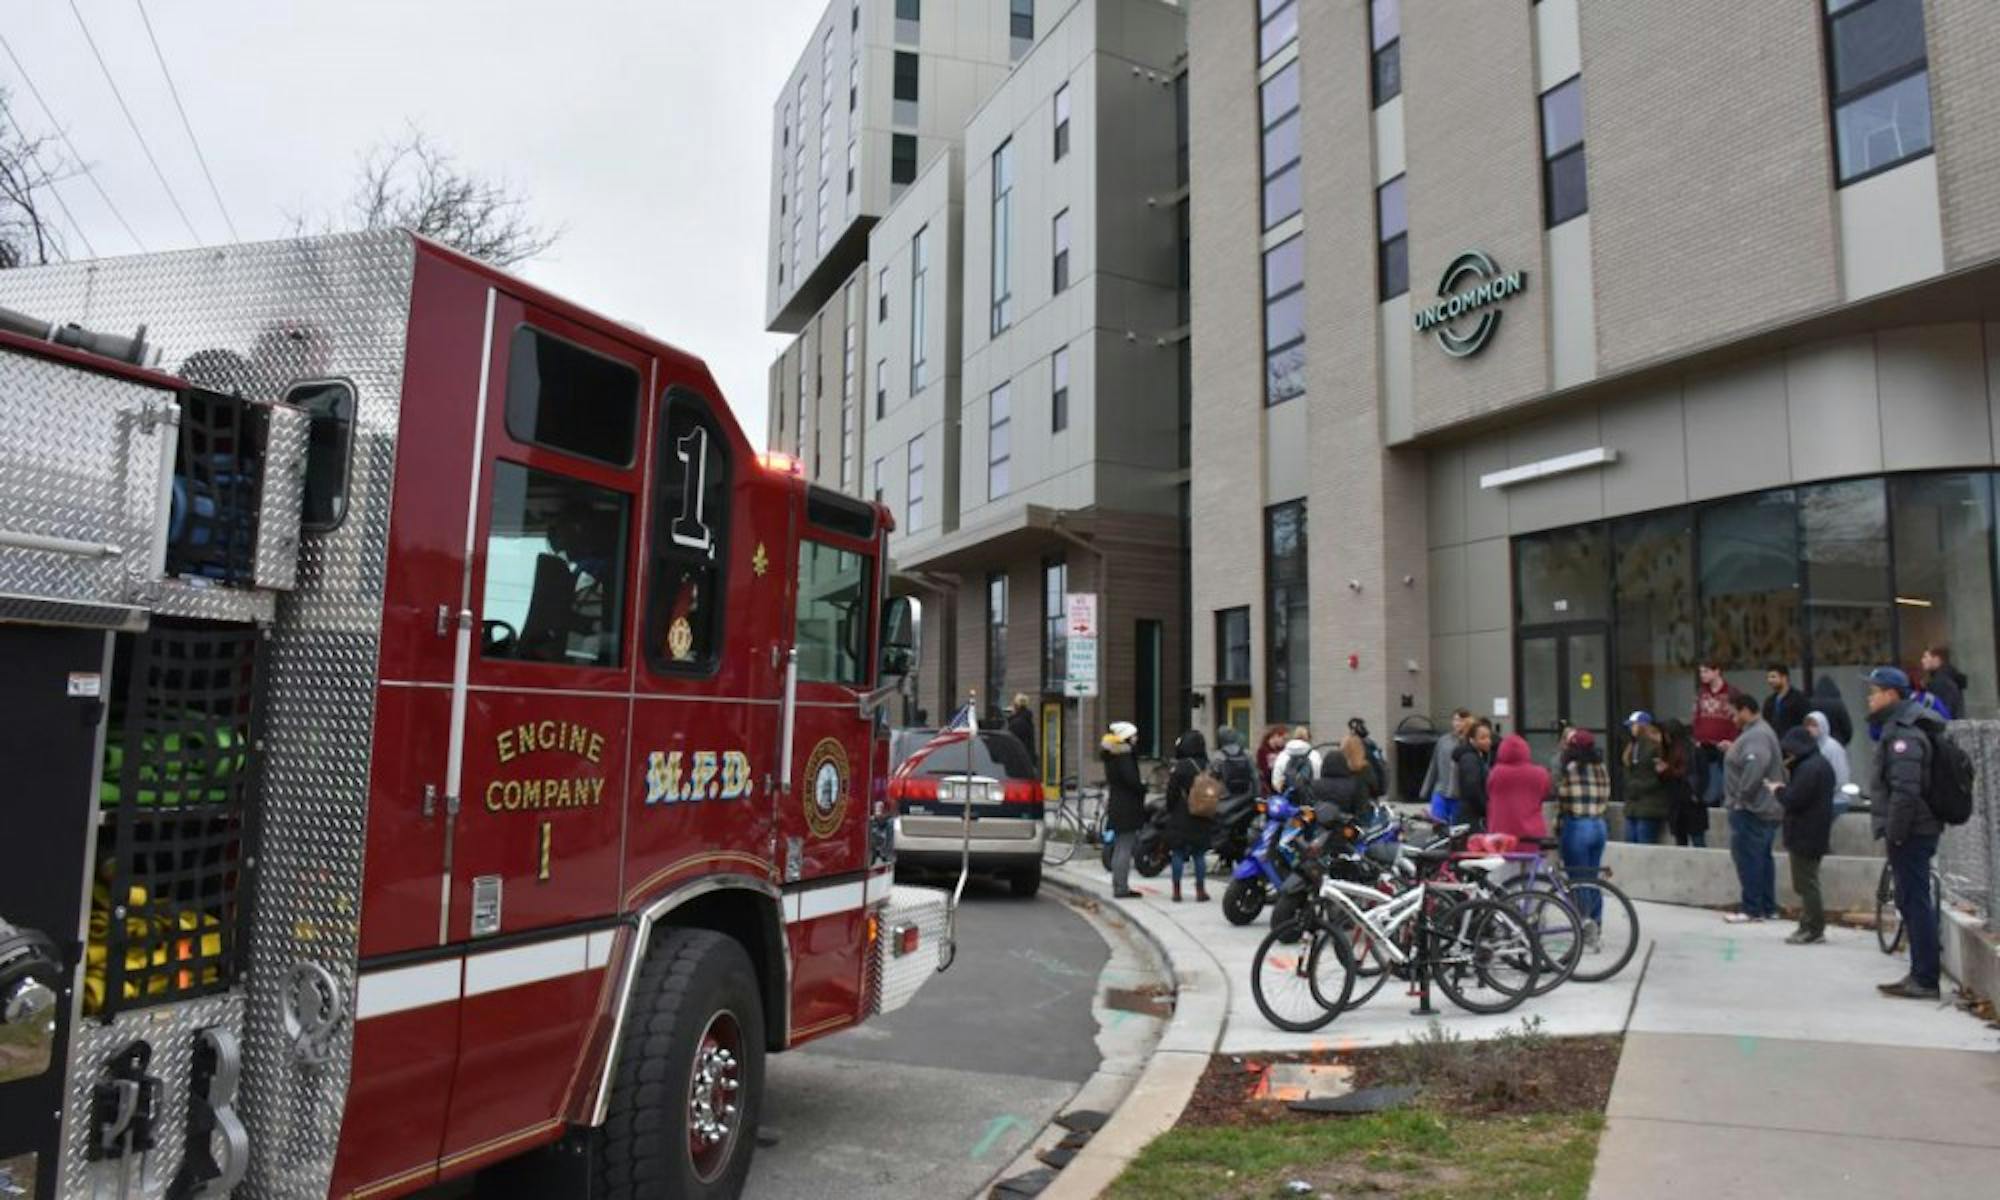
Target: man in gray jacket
x,y
1440,786
1904,819
1749,764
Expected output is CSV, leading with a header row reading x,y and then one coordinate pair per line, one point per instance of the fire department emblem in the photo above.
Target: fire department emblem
x,y
680,639
826,788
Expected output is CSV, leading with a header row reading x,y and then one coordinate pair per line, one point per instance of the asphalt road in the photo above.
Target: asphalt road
x,y
931,1101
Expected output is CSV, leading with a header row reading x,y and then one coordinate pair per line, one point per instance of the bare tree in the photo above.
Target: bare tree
x,y
416,184
28,234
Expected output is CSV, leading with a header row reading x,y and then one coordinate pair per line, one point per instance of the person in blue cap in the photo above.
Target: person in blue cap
x,y
1903,729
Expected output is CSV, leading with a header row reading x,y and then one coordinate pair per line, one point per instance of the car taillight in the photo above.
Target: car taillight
x,y
913,787
1021,791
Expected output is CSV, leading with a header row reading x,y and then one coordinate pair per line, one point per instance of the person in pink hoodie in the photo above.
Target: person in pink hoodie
x,y
1515,789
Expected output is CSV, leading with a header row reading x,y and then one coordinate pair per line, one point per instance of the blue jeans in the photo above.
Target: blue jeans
x,y
1709,778
1179,855
1642,831
1911,862
1582,843
1750,846
1444,808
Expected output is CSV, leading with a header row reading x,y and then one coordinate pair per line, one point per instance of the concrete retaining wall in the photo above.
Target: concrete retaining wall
x,y
1684,875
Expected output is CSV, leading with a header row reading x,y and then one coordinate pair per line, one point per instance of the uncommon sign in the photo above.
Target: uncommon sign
x,y
1471,287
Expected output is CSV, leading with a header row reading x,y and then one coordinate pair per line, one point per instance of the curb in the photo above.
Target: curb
x,y
1163,1089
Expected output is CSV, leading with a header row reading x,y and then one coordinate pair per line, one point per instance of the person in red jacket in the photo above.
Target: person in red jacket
x,y
1714,729
1515,789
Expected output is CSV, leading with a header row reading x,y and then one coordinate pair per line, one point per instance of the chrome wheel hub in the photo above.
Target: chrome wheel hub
x,y
715,1083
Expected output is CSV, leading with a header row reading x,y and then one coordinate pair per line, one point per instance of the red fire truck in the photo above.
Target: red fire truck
x,y
437,745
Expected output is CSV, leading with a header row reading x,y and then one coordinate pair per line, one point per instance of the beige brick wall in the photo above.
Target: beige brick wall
x,y
1964,42
1227,350
1712,210
1472,141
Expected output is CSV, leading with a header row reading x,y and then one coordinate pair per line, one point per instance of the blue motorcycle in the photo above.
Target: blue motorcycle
x,y
1261,872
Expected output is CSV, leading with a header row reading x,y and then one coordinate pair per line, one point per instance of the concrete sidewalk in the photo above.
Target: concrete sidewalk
x,y
1756,1069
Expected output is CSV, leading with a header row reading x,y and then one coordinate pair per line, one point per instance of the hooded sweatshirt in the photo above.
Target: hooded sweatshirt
x,y
1751,761
1948,685
1514,791
1471,785
1808,798
1297,750
1835,753
1826,698
1184,829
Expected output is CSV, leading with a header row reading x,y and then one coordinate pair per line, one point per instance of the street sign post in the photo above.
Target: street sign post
x,y
1080,613
1081,678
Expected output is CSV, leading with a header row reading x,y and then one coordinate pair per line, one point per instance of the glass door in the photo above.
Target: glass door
x,y
1565,679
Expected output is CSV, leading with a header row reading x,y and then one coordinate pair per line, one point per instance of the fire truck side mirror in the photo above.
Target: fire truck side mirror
x,y
899,639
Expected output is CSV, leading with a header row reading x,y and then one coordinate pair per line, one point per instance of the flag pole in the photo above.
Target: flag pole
x,y
971,711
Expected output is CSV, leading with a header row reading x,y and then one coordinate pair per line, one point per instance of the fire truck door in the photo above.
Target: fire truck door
x,y
824,815
534,871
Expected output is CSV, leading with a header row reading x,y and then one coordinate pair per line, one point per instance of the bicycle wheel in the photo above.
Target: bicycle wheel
x,y
1372,967
1888,918
1288,978
1609,947
1062,829
1484,956
1559,935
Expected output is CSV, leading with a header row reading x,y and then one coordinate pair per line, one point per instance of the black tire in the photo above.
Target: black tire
x,y
1242,900
1888,918
1618,930
1290,976
1558,935
1104,855
1026,882
1468,938
695,985
1151,860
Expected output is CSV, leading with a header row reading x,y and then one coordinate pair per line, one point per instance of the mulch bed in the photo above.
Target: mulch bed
x,y
1513,1077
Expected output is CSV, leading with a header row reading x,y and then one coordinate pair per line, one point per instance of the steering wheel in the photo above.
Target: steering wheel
x,y
499,638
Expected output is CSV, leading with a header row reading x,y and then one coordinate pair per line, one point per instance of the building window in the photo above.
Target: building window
x,y
920,270
1020,26
875,480
1055,629
913,501
820,240
1003,236
1148,653
906,88
853,84
851,152
1278,22
902,158
799,424
1880,83
908,14
1286,612
1385,30
1392,221
1062,122
1059,239
996,638
1280,105
850,389
1059,390
798,236
999,441
825,70
1285,320
1232,646
881,387
1564,194
854,18
882,295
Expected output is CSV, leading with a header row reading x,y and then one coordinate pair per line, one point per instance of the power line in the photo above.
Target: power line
x,y
185,123
62,133
28,148
144,145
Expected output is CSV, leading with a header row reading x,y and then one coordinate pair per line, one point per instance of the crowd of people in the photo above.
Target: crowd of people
x,y
1776,765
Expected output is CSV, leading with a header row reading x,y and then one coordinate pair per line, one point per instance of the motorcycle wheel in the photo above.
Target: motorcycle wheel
x,y
1242,900
1285,912
1151,860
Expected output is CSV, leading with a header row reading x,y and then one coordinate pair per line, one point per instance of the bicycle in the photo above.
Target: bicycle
x,y
1472,948
1075,820
1889,931
1616,937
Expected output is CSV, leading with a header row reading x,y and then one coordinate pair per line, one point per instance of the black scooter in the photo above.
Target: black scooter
x,y
1235,829
1150,856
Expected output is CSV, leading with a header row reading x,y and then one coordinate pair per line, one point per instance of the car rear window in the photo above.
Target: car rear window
x,y
994,755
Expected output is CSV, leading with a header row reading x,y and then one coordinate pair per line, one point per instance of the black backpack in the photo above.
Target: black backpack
x,y
1950,791
1238,774
1380,767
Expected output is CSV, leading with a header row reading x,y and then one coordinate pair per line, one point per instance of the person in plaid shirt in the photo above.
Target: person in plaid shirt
x,y
1583,790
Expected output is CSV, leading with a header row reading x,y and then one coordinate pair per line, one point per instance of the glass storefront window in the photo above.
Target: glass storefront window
x,y
1750,584
1653,568
1845,528
1561,576
1944,536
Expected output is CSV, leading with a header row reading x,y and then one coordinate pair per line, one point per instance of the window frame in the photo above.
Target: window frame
x,y
524,439
1270,352
999,466
1059,389
313,423
914,464
1055,630
1299,577
1266,174
1000,235
1266,16
900,162
1836,99
919,287
996,629
1059,253
1550,160
1393,47
1382,244
1059,135
662,546
1223,618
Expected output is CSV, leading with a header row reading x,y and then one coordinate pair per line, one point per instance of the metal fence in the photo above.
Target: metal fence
x,y
1968,861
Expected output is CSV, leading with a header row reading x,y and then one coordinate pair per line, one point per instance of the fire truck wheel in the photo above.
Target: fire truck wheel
x,y
689,1085
1026,881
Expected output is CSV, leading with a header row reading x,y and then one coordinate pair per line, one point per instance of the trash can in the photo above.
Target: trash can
x,y
1416,740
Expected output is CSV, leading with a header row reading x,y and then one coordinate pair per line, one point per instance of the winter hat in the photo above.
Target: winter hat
x,y
1582,740
1124,731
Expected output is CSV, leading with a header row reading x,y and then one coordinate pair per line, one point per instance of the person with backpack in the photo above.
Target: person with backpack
x,y
1355,751
1922,782
1377,778
1190,787
1295,766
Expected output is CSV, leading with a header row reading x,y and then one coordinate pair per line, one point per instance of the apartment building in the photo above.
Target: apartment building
x,y
1542,351
992,340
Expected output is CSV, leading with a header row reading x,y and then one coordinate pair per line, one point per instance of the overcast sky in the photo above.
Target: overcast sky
x,y
641,126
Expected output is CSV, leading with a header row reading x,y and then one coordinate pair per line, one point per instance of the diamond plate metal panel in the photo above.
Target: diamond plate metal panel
x,y
280,498
897,979
253,319
170,1029
81,460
